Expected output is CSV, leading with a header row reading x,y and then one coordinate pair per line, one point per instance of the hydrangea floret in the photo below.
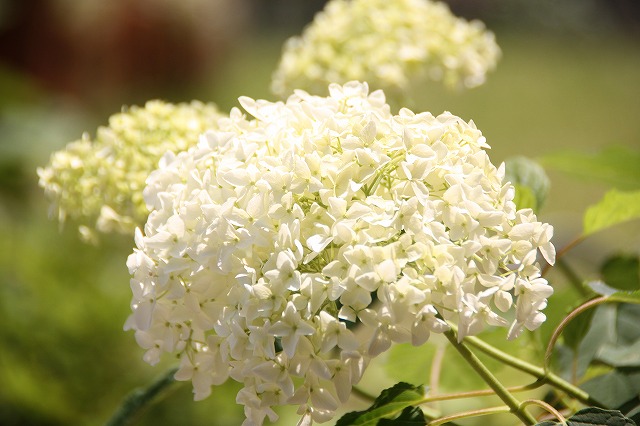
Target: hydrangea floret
x,y
394,45
295,243
98,183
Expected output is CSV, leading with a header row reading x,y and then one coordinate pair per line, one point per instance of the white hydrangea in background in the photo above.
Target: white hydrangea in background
x,y
293,244
99,182
394,45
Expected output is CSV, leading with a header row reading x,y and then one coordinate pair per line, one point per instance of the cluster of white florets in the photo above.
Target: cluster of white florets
x,y
288,248
98,183
394,45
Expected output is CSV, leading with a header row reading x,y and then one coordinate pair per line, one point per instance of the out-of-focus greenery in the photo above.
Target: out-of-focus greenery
x,y
64,358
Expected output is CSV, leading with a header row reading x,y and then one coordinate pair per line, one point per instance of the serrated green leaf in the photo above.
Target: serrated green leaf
x,y
622,272
616,207
594,416
626,297
391,404
615,166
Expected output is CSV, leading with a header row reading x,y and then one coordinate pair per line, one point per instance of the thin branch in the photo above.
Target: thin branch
x,y
547,407
140,398
490,379
558,331
467,414
564,251
540,373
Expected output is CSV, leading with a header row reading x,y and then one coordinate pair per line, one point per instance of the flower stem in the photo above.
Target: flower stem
x,y
548,408
540,373
139,398
476,393
501,391
466,414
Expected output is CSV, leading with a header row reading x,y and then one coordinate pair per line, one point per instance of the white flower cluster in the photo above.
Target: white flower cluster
x,y
394,45
99,182
285,250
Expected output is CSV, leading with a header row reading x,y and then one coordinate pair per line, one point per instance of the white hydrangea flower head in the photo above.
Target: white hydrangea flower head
x,y
295,243
394,45
99,182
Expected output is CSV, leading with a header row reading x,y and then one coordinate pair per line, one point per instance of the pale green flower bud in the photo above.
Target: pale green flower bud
x,y
98,182
394,45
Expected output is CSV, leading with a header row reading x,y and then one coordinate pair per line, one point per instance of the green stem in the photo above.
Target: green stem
x,y
501,391
139,398
466,414
537,372
477,393
549,408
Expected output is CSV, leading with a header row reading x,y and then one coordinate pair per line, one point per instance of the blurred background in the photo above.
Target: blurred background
x,y
569,79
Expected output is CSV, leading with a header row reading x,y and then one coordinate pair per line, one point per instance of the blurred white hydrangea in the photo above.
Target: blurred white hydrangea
x,y
394,45
99,183
288,248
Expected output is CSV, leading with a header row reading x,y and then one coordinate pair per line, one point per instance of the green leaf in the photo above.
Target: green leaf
x,y
530,181
395,403
615,166
616,207
612,389
622,272
621,356
626,297
627,324
593,416
577,329
410,416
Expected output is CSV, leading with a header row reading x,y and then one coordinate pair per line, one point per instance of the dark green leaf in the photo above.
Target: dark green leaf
x,y
410,416
611,389
615,166
391,404
575,331
616,207
627,324
622,272
601,332
593,416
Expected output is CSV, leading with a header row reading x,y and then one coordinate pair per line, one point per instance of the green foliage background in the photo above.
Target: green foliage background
x,y
64,358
